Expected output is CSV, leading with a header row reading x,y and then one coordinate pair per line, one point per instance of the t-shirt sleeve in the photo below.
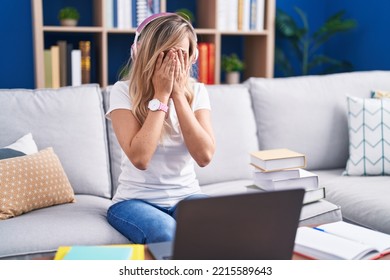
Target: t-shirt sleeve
x,y
201,98
119,97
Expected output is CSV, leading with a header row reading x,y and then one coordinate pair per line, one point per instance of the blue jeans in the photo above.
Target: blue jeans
x,y
143,222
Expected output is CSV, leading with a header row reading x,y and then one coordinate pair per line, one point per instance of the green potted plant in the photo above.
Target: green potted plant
x,y
232,65
68,16
187,14
296,42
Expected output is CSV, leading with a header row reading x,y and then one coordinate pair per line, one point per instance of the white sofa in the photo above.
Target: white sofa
x,y
306,114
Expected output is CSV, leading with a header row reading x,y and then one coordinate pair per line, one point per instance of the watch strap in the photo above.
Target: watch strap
x,y
163,107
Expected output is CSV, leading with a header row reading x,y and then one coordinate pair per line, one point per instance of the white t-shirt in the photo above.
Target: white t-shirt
x,y
170,176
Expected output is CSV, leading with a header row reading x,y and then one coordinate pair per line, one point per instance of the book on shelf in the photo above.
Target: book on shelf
x,y
341,240
69,49
108,252
48,72
243,15
63,45
55,66
277,159
259,15
206,63
109,13
76,67
243,18
311,195
85,48
210,63
142,10
305,179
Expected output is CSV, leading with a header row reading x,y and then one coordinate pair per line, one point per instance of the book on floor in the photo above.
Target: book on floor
x,y
341,240
310,196
277,159
305,179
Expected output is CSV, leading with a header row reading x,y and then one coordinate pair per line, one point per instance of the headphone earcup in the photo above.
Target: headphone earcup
x,y
196,55
133,51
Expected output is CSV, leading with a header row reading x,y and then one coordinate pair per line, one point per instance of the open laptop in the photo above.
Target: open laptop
x,y
246,226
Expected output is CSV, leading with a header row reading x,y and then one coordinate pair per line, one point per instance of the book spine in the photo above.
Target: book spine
x,y
48,71
246,15
63,62
253,15
203,62
211,64
55,66
85,47
142,11
76,67
240,14
260,15
69,49
115,13
109,13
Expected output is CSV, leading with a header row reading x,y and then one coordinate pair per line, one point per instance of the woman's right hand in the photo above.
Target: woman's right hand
x,y
163,76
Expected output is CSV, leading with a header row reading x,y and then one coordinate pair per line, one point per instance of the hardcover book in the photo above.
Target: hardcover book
x,y
305,179
310,196
55,66
277,159
85,48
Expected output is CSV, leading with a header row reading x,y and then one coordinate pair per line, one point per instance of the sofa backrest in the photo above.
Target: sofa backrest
x,y
234,127
70,120
308,114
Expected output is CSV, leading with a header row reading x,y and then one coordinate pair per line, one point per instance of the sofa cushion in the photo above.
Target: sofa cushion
x,y
31,182
42,231
369,136
25,145
364,200
69,119
309,114
235,135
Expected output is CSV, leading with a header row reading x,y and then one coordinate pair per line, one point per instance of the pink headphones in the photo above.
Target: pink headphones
x,y
142,26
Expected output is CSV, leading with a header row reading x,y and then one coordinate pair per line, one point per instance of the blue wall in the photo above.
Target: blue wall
x,y
366,47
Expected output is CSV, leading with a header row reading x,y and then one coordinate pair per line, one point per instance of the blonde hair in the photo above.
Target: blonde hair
x,y
158,36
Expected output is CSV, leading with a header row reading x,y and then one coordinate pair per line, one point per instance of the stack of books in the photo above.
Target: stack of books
x,y
279,169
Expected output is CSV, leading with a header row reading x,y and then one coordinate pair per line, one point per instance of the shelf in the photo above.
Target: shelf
x,y
76,29
256,47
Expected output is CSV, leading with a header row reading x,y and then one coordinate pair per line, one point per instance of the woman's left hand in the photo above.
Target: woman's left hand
x,y
181,73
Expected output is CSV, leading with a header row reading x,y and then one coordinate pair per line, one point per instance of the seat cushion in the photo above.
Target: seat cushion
x,y
69,119
364,200
42,231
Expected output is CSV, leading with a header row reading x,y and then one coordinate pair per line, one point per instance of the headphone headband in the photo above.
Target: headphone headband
x,y
142,25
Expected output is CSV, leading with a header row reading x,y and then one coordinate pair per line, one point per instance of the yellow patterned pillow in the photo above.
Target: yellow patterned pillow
x,y
32,182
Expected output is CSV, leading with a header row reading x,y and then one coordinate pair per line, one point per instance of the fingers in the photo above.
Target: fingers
x,y
159,60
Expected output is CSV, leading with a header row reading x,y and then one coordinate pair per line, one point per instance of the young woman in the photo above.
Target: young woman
x,y
161,118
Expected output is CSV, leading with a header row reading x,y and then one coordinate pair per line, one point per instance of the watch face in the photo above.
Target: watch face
x,y
154,104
